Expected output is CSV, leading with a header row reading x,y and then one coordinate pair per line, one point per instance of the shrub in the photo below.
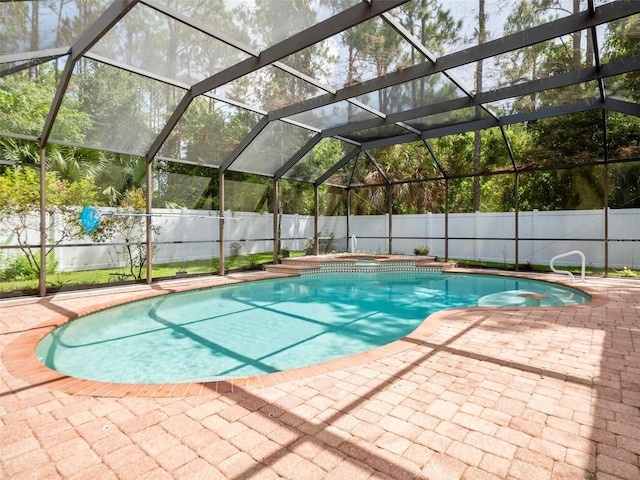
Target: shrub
x,y
19,268
421,251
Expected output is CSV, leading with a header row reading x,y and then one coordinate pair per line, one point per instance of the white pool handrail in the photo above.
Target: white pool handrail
x,y
562,255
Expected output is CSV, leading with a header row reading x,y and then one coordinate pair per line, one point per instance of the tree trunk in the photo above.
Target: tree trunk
x,y
576,39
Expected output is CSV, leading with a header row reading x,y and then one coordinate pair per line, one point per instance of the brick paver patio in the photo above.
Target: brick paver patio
x,y
491,393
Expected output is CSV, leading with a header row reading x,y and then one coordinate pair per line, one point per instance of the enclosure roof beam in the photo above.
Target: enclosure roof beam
x,y
563,26
622,106
337,166
387,142
380,170
508,145
298,156
555,111
89,38
30,59
246,141
408,36
435,158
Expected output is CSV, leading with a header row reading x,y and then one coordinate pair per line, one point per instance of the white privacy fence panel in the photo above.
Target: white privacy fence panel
x,y
624,247
184,235
547,234
371,232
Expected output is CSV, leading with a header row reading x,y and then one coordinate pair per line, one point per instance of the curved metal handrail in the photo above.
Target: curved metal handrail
x,y
562,255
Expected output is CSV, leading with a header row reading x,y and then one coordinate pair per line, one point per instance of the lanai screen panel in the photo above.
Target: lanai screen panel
x,y
361,53
411,160
377,133
151,41
183,186
621,87
553,57
123,112
320,159
623,143
546,98
343,177
29,26
208,132
413,94
502,18
619,38
271,149
333,115
363,171
494,154
257,24
448,118
565,141
25,103
269,88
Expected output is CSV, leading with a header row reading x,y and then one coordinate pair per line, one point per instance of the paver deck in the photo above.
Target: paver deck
x,y
483,393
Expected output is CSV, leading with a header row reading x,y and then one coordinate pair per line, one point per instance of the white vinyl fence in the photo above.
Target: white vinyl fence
x,y
185,235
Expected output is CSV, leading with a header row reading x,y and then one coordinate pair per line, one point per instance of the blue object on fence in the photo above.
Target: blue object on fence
x,y
90,219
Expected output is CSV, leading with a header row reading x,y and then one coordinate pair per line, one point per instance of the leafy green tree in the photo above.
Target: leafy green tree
x,y
20,204
622,41
25,103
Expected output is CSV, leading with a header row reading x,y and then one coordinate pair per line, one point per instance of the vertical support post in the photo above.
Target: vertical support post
x,y
276,224
606,220
517,224
348,195
315,219
348,209
429,229
390,210
534,234
148,219
446,219
606,196
221,222
42,281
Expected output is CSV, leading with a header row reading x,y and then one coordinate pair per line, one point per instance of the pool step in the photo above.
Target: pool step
x,y
305,265
434,264
293,268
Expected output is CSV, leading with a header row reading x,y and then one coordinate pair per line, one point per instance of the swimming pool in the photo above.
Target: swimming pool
x,y
272,325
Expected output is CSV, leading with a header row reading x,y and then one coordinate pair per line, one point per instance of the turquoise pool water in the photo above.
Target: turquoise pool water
x,y
271,325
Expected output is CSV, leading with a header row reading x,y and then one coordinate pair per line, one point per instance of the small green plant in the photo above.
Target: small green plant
x,y
308,246
235,248
19,268
285,252
421,251
627,272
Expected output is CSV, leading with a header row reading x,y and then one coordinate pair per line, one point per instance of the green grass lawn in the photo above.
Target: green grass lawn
x,y
67,280
71,280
